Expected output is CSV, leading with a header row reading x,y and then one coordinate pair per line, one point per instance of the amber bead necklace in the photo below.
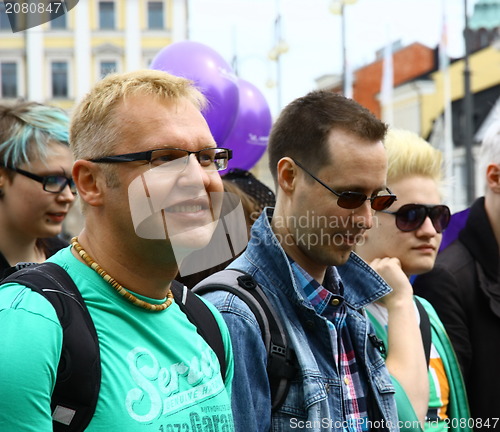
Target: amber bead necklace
x,y
117,286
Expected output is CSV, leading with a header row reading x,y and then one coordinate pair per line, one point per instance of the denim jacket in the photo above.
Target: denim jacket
x,y
314,401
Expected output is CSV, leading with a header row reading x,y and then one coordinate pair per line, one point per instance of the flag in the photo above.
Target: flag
x,y
387,86
443,44
447,138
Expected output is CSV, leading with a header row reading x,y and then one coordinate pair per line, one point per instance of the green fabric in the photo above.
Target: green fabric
x,y
458,405
406,414
157,372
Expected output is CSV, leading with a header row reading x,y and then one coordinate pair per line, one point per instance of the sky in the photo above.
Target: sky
x,y
245,29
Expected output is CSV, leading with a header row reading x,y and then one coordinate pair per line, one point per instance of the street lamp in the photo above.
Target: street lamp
x,y
280,47
337,7
468,113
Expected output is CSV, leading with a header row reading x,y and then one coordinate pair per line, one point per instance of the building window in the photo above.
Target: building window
x,y
59,79
8,78
57,15
106,15
155,15
107,67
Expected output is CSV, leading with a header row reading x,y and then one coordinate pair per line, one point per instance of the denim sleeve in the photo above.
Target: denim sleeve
x,y
251,398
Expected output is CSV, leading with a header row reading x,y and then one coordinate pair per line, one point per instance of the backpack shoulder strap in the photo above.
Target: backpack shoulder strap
x,y
203,319
281,359
79,372
425,329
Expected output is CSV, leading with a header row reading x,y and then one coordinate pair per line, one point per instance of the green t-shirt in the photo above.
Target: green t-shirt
x,y
446,388
158,373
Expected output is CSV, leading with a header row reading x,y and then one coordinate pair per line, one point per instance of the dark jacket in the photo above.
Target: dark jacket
x,y
464,289
49,245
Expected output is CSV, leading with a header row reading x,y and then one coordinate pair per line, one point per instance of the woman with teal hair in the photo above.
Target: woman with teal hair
x,y
403,242
36,187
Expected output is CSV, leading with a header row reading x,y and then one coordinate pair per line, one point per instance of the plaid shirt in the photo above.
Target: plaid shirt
x,y
328,301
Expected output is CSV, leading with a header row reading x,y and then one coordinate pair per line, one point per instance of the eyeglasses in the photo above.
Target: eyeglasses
x,y
351,200
174,159
51,183
411,217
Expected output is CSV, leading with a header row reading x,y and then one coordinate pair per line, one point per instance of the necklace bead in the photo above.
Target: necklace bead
x,y
116,285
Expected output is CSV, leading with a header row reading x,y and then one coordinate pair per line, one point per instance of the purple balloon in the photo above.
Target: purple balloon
x,y
213,76
250,133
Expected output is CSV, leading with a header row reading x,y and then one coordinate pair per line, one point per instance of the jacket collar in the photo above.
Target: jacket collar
x,y
362,285
478,238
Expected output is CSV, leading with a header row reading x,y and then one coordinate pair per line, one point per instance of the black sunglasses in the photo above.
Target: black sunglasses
x,y
411,217
51,183
174,159
351,200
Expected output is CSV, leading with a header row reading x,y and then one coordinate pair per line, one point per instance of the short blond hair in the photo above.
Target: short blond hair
x,y
408,154
95,128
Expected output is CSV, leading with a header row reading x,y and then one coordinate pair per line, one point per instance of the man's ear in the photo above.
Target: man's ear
x,y
493,177
287,175
90,181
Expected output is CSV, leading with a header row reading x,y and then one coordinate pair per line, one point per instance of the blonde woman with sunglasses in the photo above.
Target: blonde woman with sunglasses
x,y
403,242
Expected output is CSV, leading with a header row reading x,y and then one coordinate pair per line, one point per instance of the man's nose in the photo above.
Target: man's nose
x,y
363,215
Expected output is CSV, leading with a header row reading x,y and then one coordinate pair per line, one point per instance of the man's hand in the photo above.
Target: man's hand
x,y
391,271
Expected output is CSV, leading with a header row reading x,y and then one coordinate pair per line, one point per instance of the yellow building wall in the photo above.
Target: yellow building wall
x,y
12,43
142,14
169,23
60,42
93,16
101,40
484,72
151,42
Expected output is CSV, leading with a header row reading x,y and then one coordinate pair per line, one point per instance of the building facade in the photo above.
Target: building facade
x,y
429,95
409,62
59,61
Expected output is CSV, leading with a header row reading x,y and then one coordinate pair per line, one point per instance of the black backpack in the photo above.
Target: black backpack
x,y
79,372
282,363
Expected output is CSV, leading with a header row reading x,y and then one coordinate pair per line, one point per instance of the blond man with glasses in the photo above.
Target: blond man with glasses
x,y
147,174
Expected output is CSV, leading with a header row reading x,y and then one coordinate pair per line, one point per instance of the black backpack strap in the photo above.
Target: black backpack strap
x,y
281,360
203,319
425,329
79,372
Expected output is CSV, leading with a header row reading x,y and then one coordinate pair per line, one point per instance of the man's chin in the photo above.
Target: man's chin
x,y
193,239
341,256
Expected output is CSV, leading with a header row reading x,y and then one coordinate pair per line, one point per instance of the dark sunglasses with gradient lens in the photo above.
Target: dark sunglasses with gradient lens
x,y
411,217
352,200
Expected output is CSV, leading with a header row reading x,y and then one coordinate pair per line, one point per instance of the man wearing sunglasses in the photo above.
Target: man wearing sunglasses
x,y
404,242
329,166
147,173
464,288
